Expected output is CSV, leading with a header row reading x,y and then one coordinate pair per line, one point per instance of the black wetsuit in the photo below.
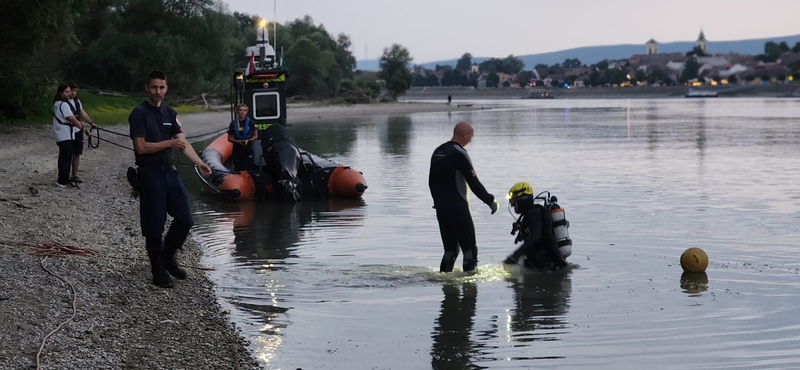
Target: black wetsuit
x,y
538,246
451,171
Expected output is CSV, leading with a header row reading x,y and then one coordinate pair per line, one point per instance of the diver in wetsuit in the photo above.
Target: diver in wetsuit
x,y
535,232
451,171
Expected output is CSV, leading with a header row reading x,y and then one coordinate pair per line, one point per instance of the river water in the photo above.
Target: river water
x,y
354,284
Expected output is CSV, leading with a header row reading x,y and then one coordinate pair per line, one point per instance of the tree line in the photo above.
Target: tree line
x,y
113,44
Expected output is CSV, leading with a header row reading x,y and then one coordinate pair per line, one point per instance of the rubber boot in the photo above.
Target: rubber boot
x,y
160,276
171,263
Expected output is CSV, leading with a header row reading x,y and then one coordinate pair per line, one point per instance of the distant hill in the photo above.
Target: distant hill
x,y
594,54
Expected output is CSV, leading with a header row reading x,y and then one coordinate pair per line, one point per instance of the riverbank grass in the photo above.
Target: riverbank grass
x,y
105,109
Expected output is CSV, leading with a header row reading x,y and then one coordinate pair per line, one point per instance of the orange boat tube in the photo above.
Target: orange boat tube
x,y
346,182
319,177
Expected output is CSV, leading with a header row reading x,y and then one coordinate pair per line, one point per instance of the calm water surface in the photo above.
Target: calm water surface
x,y
354,284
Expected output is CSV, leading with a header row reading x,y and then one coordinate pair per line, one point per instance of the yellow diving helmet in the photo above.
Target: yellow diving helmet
x,y
519,190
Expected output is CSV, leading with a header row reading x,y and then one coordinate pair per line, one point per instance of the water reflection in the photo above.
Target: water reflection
x,y
651,117
452,347
332,138
694,283
541,302
395,135
272,231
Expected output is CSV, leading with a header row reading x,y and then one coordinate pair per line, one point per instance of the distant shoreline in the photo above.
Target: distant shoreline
x,y
632,92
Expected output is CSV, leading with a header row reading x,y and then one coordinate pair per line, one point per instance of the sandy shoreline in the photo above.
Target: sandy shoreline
x,y
122,321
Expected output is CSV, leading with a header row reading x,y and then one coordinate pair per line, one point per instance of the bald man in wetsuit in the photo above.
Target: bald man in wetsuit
x,y
450,174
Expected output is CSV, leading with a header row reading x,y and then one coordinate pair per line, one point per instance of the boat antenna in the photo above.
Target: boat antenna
x,y
275,24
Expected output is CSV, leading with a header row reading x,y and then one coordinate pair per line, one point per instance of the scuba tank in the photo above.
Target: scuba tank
x,y
560,228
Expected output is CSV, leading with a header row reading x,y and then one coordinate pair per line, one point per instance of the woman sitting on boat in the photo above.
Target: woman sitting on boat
x,y
242,133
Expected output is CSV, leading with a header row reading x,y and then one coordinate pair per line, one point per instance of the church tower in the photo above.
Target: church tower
x,y
701,42
652,47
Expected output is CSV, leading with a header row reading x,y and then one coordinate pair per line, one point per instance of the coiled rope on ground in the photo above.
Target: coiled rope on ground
x,y
56,249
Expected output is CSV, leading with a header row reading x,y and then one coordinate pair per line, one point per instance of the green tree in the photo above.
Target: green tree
x,y
310,66
656,75
344,58
796,48
465,62
570,79
572,63
394,69
732,79
369,85
696,51
772,51
602,65
460,78
523,78
492,80
618,77
595,79
419,81
640,76
510,65
690,70
35,38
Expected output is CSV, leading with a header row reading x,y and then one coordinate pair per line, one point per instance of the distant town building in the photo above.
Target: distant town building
x,y
701,42
474,68
652,47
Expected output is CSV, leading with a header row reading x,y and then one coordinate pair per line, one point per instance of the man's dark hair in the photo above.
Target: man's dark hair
x,y
73,85
156,75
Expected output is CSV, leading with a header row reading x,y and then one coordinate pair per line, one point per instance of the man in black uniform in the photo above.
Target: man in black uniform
x,y
451,171
535,233
155,129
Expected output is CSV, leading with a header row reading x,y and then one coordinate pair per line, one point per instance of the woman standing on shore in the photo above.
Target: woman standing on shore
x,y
65,126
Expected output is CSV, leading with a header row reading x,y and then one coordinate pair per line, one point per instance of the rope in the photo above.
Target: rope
x,y
96,136
74,312
131,149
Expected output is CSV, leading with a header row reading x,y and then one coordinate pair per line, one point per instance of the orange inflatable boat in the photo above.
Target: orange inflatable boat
x,y
286,171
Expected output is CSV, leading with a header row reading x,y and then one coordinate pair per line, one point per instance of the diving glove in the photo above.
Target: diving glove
x,y
494,206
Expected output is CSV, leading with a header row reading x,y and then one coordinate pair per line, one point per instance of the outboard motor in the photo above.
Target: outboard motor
x,y
283,160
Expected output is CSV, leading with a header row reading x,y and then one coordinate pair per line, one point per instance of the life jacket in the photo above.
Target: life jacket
x,y
239,132
68,123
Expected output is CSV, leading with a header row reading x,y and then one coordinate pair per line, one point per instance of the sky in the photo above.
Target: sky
x,y
434,30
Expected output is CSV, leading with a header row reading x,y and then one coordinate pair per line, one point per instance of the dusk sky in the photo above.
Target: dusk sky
x,y
435,30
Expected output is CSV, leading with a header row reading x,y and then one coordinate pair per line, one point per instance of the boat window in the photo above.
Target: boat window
x,y
266,105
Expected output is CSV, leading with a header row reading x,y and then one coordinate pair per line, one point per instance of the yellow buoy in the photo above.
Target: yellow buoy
x,y
694,260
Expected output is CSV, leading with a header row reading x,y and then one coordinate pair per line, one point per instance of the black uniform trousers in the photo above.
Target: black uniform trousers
x,y
66,150
458,231
161,192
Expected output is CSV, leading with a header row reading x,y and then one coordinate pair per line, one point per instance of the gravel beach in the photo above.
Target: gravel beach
x,y
122,320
